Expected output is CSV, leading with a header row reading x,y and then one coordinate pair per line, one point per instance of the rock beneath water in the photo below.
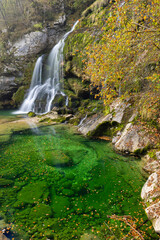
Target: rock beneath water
x,y
5,182
94,124
59,205
30,44
133,139
57,158
151,189
88,236
40,211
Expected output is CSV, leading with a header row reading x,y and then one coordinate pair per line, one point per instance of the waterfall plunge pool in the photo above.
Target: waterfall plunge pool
x,y
56,184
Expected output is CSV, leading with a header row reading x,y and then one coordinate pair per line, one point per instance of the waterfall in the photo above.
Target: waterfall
x,y
46,81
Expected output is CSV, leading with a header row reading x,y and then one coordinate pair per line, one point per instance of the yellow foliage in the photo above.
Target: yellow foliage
x,y
130,42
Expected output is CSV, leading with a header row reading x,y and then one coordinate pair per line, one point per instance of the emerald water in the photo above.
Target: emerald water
x,y
56,184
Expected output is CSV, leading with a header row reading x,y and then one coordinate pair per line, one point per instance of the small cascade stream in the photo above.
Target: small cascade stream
x,y
46,81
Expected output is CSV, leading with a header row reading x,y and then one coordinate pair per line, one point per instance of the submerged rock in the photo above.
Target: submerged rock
x,y
57,158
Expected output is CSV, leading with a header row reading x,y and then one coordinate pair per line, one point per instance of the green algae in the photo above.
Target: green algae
x,y
68,201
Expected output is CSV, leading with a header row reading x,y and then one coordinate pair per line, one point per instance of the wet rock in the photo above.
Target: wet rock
x,y
31,114
133,139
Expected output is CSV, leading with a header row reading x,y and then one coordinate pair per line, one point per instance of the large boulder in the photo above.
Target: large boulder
x,y
118,107
95,125
153,213
151,189
30,44
133,139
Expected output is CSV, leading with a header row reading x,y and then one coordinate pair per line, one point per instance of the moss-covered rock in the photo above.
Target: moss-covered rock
x,y
57,158
31,114
32,192
19,96
40,211
60,205
5,182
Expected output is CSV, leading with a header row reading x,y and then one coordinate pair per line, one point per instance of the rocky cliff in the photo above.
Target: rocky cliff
x,y
39,26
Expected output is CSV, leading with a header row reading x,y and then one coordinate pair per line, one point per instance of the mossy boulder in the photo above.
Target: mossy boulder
x,y
57,158
40,211
67,192
31,114
19,96
5,182
60,204
32,193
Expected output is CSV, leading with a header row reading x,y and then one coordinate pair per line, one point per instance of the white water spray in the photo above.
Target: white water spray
x,y
46,79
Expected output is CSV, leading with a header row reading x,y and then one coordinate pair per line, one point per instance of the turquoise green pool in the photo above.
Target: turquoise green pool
x,y
57,184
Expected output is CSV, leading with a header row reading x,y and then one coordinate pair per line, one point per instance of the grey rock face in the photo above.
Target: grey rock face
x,y
91,125
7,87
133,138
119,108
150,192
30,44
158,155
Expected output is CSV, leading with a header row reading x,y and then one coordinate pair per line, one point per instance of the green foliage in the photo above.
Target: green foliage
x,y
38,26
19,96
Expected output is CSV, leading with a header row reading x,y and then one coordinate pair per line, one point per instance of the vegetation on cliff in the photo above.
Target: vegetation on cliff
x,y
116,46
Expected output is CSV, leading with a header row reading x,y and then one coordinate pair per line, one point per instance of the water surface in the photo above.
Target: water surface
x,y
56,184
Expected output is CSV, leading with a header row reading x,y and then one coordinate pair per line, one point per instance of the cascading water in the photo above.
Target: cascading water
x,y
45,84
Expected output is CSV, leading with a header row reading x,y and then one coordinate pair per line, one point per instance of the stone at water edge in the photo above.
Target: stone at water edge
x,y
31,114
151,189
158,155
153,213
150,164
150,192
133,139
